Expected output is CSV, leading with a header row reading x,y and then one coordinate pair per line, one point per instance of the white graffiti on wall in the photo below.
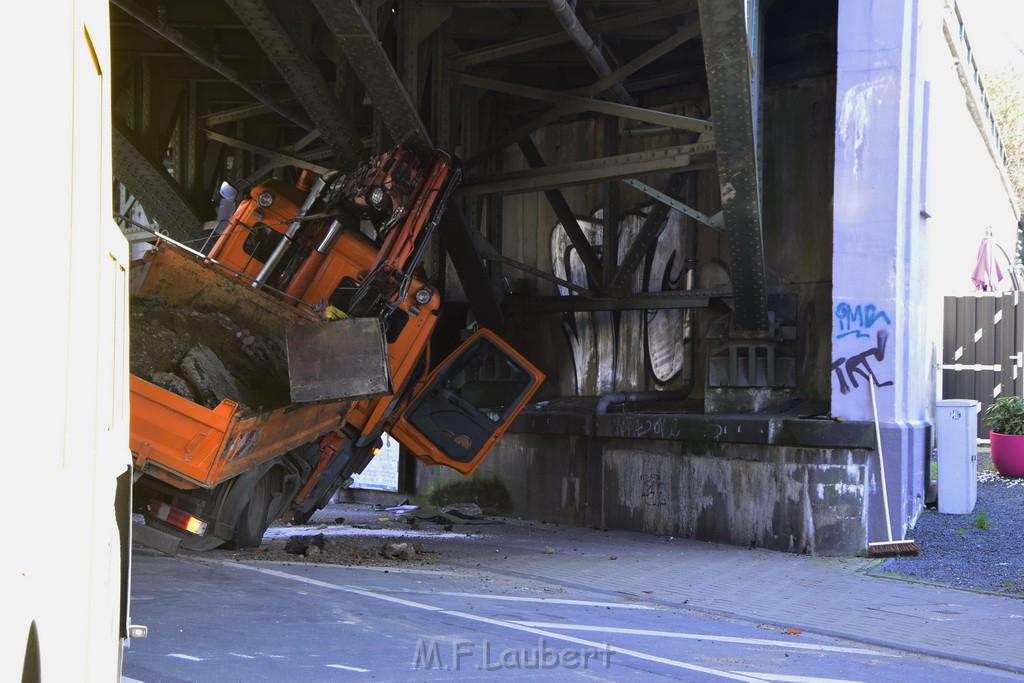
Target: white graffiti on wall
x,y
855,110
627,350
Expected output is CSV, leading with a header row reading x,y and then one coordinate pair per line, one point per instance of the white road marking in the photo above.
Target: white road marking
x,y
235,654
348,668
188,657
781,678
549,601
701,636
504,624
336,531
380,569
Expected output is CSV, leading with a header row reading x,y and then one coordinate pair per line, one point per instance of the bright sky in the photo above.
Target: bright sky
x,y
996,31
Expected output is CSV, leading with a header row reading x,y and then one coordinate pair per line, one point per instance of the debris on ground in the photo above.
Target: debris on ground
x,y
548,550
301,545
463,513
398,551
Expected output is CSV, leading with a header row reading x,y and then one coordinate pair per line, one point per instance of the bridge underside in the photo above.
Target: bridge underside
x,y
646,210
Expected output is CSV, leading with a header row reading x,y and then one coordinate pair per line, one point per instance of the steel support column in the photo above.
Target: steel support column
x,y
728,61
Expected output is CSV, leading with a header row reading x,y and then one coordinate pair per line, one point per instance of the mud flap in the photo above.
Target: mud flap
x,y
158,540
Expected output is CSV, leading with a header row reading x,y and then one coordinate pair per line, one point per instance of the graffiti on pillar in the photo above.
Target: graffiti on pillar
x,y
652,490
628,350
855,110
857,360
856,320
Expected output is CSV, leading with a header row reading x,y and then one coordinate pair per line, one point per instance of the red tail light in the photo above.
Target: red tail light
x,y
177,518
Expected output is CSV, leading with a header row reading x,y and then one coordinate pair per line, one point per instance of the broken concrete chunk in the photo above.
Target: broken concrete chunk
x,y
207,373
173,384
398,551
305,545
464,510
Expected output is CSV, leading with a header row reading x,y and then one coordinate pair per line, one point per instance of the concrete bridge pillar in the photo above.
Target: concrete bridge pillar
x,y
879,327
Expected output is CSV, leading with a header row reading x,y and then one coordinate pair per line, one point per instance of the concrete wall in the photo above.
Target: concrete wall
x,y
789,499
915,189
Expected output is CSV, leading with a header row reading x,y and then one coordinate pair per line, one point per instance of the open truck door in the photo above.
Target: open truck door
x,y
467,403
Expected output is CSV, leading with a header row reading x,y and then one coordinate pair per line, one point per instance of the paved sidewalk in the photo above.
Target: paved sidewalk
x,y
826,595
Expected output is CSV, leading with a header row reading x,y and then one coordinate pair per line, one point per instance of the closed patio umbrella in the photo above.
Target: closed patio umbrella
x,y
987,272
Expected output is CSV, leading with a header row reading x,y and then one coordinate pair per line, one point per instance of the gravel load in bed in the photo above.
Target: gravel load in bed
x,y
983,550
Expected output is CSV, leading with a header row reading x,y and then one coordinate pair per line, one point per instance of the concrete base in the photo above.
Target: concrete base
x,y
792,499
904,447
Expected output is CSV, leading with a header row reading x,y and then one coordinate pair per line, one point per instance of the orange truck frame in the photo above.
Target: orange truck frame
x,y
294,255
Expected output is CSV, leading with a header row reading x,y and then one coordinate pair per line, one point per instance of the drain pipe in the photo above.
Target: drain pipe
x,y
567,18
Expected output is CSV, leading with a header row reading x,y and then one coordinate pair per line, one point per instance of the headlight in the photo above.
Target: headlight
x,y
423,296
377,196
265,199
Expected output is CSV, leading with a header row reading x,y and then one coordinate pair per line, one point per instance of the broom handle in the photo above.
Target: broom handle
x,y
881,460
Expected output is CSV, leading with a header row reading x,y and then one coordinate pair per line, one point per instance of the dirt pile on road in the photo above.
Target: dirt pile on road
x,y
332,551
205,357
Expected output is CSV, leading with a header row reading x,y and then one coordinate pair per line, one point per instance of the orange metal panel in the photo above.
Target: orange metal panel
x,y
424,449
206,447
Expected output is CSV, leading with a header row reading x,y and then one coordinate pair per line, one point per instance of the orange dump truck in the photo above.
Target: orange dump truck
x,y
265,372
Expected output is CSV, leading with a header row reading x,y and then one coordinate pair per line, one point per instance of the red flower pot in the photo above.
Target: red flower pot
x,y
1007,453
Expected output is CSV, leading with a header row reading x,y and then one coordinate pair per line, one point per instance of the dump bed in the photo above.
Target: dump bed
x,y
209,385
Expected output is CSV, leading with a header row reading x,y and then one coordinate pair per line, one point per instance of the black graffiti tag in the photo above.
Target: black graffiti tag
x,y
653,490
849,368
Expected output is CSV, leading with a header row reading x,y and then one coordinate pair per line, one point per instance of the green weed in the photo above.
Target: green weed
x,y
981,521
488,493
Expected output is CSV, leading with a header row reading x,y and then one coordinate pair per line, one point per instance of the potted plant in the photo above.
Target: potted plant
x,y
1005,419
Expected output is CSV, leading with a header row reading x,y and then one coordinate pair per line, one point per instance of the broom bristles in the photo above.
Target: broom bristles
x,y
893,549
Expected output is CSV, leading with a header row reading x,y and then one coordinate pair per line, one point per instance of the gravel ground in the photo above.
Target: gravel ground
x,y
982,551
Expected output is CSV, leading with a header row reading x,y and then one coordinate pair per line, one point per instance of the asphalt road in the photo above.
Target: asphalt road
x,y
223,620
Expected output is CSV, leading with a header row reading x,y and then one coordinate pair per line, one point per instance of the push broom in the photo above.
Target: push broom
x,y
888,548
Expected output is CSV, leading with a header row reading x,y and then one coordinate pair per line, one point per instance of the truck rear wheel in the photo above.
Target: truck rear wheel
x,y
252,520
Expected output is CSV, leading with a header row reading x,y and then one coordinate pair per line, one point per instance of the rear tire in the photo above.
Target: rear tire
x,y
252,520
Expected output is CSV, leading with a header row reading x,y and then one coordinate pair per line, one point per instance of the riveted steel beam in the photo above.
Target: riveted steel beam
x,y
364,53
660,118
277,158
689,157
313,93
489,253
566,216
728,61
652,226
710,221
186,45
154,187
456,236
687,298
625,20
